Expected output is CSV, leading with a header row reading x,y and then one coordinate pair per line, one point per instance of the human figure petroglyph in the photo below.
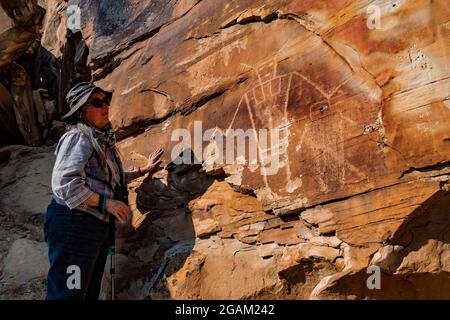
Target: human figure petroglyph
x,y
279,102
293,129
267,101
267,104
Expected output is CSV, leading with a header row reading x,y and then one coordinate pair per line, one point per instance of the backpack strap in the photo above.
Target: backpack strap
x,y
97,178
109,183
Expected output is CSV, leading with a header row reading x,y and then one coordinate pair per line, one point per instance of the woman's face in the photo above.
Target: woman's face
x,y
97,116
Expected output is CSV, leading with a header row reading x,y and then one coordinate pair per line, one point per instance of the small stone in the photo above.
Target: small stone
x,y
273,223
339,263
388,258
267,250
304,232
326,241
249,239
244,228
258,226
206,227
225,234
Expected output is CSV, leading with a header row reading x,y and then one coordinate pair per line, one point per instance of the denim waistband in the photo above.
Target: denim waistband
x,y
83,208
58,201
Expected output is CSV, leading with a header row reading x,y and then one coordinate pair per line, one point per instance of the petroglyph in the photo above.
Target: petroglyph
x,y
278,102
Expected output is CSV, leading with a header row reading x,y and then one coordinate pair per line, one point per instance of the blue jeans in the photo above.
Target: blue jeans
x,y
74,238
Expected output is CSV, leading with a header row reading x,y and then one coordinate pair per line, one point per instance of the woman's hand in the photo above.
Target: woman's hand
x,y
152,164
153,161
118,209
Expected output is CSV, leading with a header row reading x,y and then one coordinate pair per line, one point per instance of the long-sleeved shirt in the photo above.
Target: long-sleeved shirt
x,y
76,163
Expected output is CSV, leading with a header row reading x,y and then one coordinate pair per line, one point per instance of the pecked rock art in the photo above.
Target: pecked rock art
x,y
291,107
308,123
318,122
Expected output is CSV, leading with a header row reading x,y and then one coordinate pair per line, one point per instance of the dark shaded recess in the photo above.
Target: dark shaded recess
x,y
46,73
73,67
17,10
42,68
430,221
185,182
9,131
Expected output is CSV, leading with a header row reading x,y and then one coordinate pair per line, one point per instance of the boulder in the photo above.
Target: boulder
x,y
26,260
26,174
20,24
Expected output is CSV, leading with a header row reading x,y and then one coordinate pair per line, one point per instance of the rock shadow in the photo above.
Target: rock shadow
x,y
161,245
425,235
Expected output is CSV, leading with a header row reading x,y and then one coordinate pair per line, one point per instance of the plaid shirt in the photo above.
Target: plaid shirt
x,y
75,156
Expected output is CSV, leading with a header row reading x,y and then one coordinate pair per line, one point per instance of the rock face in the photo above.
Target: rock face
x,y
346,116
358,137
25,188
19,28
26,260
28,75
25,182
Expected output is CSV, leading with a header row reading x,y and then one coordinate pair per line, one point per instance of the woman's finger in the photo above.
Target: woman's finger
x,y
119,210
124,207
126,213
117,216
157,153
157,158
123,213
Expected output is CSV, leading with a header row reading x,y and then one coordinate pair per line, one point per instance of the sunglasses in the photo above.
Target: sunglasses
x,y
98,103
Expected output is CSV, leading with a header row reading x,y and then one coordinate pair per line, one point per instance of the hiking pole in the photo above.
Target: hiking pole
x,y
121,194
112,252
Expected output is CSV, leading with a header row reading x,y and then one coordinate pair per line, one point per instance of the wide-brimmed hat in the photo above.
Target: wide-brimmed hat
x,y
79,94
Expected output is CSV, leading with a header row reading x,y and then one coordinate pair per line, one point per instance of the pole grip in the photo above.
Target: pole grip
x,y
112,252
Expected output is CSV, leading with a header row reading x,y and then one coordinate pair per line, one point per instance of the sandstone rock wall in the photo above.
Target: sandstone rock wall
x,y
358,170
363,122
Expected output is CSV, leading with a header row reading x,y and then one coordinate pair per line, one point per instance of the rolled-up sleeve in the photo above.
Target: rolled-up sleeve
x,y
68,177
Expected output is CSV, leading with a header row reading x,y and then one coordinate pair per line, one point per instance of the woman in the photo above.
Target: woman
x,y
86,179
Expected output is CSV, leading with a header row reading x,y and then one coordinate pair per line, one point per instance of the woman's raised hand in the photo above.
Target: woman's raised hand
x,y
153,161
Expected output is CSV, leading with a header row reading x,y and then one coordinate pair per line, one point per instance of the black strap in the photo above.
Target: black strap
x,y
97,178
119,165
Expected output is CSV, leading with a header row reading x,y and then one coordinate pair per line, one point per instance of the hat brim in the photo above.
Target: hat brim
x,y
84,99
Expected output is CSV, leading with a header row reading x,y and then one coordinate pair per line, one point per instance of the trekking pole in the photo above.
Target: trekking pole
x,y
112,252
